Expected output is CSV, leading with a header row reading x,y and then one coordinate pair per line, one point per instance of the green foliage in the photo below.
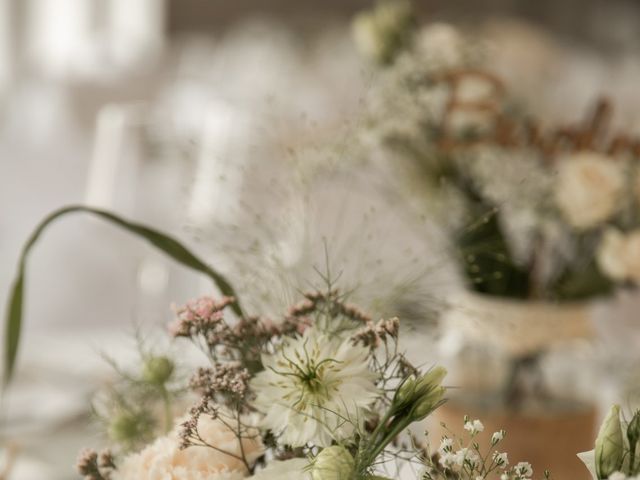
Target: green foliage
x,y
490,268
582,283
165,243
485,255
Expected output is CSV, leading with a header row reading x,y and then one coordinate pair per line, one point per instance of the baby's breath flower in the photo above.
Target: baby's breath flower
x,y
497,437
470,463
523,470
446,445
501,459
467,457
447,459
474,426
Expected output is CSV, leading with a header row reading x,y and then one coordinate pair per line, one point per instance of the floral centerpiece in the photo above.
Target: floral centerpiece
x,y
325,393
535,212
540,220
322,393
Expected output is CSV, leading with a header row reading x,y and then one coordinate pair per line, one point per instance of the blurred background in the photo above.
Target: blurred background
x,y
188,115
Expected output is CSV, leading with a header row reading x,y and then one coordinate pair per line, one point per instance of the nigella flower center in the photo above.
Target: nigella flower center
x,y
314,381
313,378
314,391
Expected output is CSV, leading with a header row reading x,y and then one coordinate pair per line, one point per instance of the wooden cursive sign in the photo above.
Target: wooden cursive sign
x,y
593,133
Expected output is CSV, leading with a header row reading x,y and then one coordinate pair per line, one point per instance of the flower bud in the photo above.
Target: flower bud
x,y
333,463
428,403
157,370
129,427
609,449
633,431
433,378
405,393
420,396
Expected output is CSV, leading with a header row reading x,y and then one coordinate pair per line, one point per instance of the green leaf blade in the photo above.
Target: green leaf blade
x,y
163,242
13,326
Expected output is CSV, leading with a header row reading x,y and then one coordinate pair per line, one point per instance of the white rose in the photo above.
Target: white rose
x,y
588,188
618,255
441,45
164,459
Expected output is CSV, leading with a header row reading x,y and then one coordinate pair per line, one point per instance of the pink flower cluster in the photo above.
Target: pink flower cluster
x,y
198,316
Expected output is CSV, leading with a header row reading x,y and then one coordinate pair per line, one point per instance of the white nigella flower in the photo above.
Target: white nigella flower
x,y
316,388
474,426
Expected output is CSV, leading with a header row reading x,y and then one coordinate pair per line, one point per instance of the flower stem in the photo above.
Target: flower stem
x,y
168,416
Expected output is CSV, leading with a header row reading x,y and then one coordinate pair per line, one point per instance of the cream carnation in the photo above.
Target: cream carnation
x,y
588,188
164,459
316,388
619,255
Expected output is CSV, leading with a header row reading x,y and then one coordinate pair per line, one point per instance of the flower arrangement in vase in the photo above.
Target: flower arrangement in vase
x,y
541,220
